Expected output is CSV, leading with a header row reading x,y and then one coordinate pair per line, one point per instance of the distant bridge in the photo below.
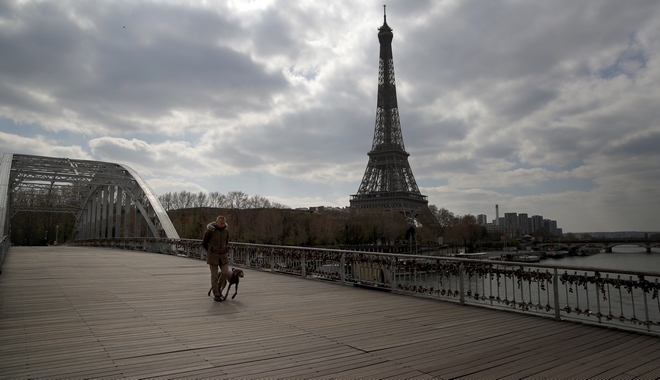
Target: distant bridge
x,y
606,244
108,200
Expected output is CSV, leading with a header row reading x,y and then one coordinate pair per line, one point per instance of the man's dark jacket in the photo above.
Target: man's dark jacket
x,y
215,242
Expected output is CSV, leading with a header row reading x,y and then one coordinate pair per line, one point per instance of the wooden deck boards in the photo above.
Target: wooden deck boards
x,y
72,312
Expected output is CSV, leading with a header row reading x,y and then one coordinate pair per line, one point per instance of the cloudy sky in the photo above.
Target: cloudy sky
x,y
542,107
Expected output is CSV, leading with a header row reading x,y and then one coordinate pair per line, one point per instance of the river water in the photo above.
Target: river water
x,y
623,257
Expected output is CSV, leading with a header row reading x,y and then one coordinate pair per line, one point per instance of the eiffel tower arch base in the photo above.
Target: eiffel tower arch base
x,y
406,203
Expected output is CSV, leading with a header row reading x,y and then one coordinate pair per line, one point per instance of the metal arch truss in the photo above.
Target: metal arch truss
x,y
108,199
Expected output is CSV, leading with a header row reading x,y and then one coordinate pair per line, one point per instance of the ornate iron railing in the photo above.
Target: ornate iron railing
x,y
620,299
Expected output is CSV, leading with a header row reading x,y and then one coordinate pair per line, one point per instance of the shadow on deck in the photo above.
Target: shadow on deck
x,y
92,312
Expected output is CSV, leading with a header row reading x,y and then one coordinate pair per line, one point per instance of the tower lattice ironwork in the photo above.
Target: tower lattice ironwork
x,y
388,181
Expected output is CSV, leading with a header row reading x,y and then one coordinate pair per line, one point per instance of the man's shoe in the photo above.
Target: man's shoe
x,y
217,298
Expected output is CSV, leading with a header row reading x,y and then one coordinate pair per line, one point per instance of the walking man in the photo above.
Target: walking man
x,y
216,239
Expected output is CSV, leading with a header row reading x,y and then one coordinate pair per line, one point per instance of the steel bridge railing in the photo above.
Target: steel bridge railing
x,y
4,247
619,299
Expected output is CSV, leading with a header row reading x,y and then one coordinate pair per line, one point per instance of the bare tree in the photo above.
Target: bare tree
x,y
222,201
176,201
258,201
233,200
268,224
278,205
445,217
237,200
469,231
214,199
327,228
175,204
200,200
431,228
166,201
186,199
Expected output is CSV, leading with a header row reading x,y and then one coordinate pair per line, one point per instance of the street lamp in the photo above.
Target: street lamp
x,y
57,228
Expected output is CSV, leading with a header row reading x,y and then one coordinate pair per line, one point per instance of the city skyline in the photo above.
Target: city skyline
x,y
527,224
548,106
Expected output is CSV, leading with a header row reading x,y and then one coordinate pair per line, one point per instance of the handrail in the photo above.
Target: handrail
x,y
613,298
4,247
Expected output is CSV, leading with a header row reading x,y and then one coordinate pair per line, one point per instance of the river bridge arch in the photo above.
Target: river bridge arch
x,y
108,200
605,244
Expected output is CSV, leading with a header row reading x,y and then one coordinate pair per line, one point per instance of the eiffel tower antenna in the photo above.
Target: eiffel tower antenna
x,y
388,182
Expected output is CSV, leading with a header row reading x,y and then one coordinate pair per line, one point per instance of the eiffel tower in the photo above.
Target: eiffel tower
x,y
388,181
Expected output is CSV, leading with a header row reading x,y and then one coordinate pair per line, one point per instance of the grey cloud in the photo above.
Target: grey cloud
x,y
171,158
644,145
558,146
312,137
38,145
503,151
135,61
461,165
484,42
627,63
275,35
523,100
427,136
285,93
134,151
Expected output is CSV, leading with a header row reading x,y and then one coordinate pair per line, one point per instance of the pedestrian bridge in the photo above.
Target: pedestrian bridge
x,y
91,312
109,200
128,299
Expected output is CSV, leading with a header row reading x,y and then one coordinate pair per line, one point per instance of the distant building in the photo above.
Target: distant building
x,y
503,230
482,219
510,219
536,222
524,223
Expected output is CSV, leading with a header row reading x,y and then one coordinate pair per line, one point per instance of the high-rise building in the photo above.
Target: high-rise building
x,y
510,219
482,219
537,222
503,230
388,181
523,222
546,224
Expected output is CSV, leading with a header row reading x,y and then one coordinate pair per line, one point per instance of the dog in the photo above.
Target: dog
x,y
236,275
